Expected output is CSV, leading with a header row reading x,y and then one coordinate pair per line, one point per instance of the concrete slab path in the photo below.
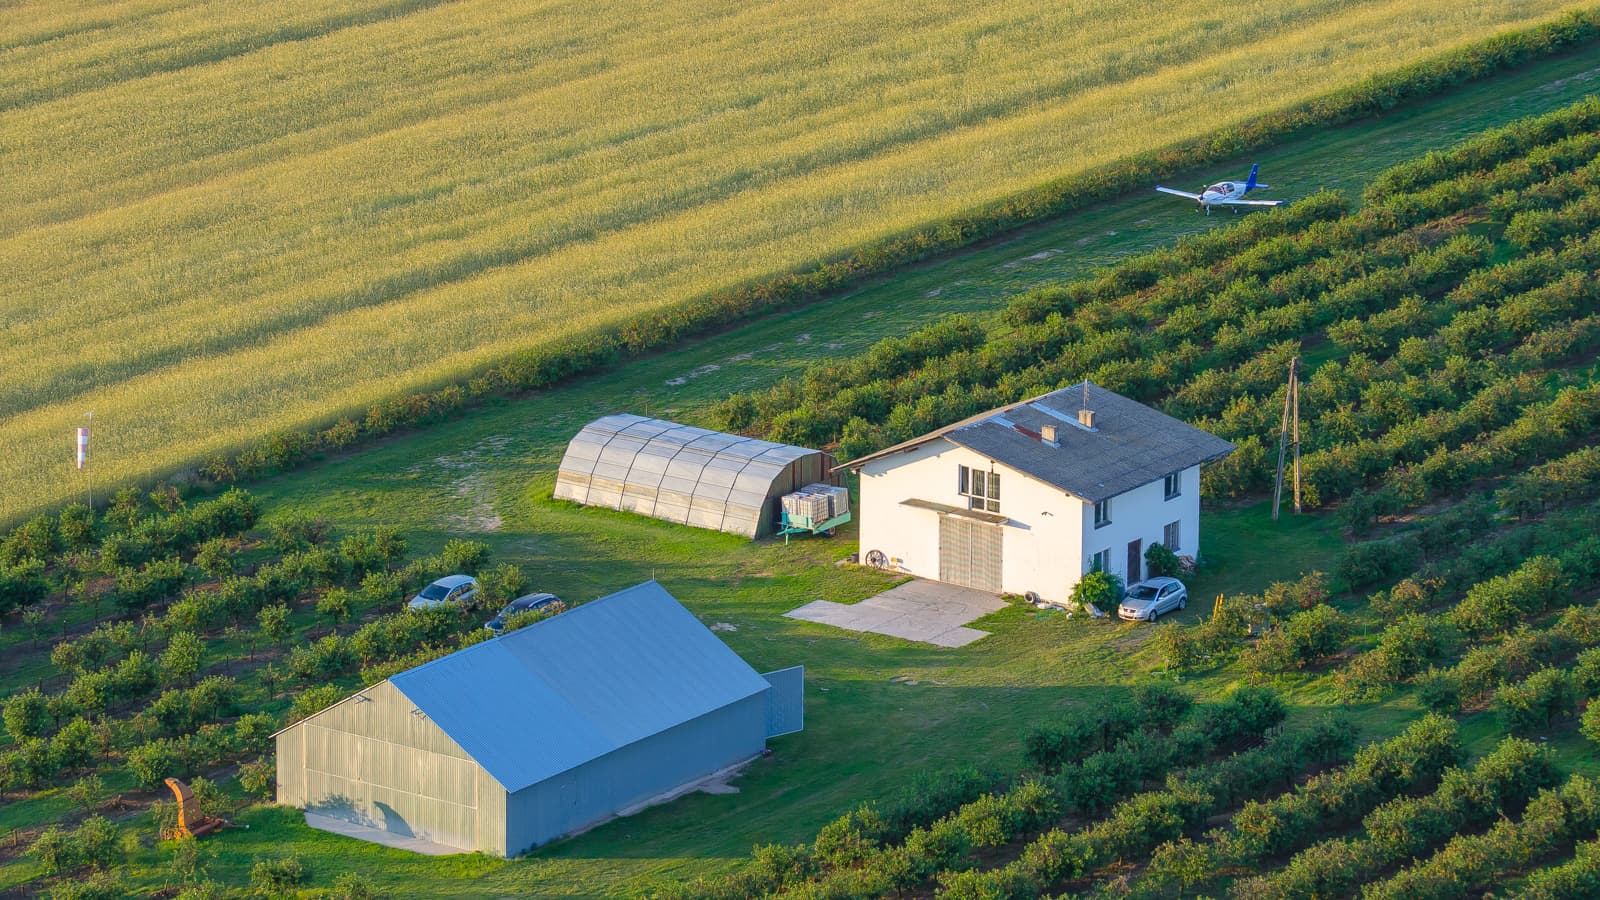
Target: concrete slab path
x,y
379,836
926,611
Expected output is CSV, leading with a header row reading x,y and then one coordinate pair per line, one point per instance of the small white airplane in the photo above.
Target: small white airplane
x,y
1226,193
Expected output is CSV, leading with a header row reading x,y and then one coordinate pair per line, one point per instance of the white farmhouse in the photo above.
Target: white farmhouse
x,y
1031,496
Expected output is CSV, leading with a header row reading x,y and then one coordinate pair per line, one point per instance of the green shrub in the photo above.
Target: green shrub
x,y
182,659
1536,701
932,795
1439,691
26,714
464,556
76,526
1160,703
382,587
257,778
1074,737
335,605
1376,561
1405,648
153,582
274,623
277,876
54,851
253,732
1409,595
96,886
215,559
314,700
22,584
153,762
38,538
1161,561
372,550
295,532
849,839
94,841
1306,592
1303,638
1103,589
501,584
351,886
75,746
1495,605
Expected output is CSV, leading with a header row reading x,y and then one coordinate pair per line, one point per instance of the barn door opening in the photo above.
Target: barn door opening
x,y
1135,558
969,553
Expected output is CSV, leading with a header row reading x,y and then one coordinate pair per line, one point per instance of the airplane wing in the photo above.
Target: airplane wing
x,y
1248,202
1167,190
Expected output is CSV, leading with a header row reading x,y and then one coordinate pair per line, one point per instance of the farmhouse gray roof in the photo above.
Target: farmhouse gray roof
x,y
1130,445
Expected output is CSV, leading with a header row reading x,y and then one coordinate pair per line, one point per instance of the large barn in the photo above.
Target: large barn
x,y
541,732
683,474
1029,497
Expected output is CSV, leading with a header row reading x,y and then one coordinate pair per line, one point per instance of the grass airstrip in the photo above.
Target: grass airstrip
x,y
222,221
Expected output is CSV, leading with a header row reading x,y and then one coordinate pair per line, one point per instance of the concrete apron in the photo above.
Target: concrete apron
x,y
927,611
379,836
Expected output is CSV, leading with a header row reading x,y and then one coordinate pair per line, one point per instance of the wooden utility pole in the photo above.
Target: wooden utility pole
x,y
1294,391
1290,427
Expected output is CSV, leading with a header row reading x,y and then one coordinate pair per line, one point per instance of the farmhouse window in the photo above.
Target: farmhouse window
x,y
1102,514
1174,484
1169,536
1100,562
982,489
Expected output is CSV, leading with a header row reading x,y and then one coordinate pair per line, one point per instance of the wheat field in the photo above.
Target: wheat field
x,y
220,219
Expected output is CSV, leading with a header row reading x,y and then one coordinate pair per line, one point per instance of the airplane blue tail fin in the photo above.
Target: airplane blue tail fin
x,y
1251,184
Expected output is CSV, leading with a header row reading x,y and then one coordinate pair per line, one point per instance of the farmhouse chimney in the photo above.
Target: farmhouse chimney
x,y
1086,418
1047,433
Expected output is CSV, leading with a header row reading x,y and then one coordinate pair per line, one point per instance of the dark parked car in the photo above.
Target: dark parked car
x,y
525,603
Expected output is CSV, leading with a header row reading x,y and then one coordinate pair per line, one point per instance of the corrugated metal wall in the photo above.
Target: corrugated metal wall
x,y
599,789
370,760
786,709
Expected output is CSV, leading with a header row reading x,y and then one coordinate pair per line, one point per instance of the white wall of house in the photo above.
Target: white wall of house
x,y
1041,537
1142,514
1048,536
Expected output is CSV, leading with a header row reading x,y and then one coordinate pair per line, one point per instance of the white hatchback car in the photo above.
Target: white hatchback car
x,y
1147,600
458,589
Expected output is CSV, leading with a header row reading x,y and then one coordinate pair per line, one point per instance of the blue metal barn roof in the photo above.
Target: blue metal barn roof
x,y
554,695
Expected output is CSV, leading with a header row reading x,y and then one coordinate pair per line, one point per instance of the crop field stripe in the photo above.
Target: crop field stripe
x,y
173,39
332,235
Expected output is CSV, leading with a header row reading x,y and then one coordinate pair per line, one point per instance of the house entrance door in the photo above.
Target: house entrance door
x,y
1135,558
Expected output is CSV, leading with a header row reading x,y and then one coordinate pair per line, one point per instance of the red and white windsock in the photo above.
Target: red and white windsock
x,y
83,447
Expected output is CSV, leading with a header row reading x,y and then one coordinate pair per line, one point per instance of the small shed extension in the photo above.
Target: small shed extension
x,y
540,732
688,475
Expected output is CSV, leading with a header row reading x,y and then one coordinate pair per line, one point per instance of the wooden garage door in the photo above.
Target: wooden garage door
x,y
969,553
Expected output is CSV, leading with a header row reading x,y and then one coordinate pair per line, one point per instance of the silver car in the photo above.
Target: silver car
x,y
462,589
1147,600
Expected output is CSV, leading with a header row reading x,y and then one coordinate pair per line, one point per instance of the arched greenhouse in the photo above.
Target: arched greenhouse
x,y
684,474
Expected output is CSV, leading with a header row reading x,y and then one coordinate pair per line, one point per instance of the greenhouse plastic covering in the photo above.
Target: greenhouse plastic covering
x,y
684,474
